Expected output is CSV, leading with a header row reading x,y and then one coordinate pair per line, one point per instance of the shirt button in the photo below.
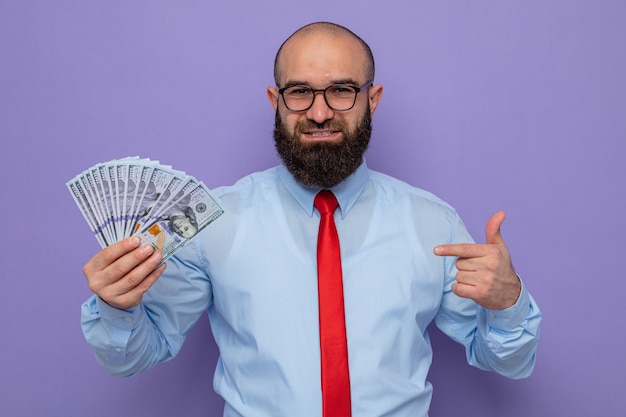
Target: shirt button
x,y
128,319
118,350
490,345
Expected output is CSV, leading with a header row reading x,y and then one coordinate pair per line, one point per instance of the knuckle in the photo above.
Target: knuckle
x,y
134,279
464,250
108,255
117,271
87,270
94,282
491,266
106,294
144,285
493,250
460,276
462,291
93,287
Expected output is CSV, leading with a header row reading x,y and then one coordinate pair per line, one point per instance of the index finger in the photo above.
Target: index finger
x,y
461,250
110,254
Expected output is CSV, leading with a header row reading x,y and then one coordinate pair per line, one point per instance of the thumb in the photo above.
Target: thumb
x,y
492,230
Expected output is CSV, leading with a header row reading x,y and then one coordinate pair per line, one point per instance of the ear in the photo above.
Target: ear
x,y
272,96
375,95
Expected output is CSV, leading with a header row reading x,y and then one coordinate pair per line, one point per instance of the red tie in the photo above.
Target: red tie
x,y
334,349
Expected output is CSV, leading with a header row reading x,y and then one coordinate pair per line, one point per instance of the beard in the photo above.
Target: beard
x,y
322,164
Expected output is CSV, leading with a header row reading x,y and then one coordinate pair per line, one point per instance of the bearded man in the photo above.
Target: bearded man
x,y
402,259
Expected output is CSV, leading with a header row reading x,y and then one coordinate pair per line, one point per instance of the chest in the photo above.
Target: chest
x,y
265,273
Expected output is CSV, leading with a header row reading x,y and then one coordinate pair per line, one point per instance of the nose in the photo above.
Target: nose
x,y
319,112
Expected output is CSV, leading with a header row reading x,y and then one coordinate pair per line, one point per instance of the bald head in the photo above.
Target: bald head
x,y
331,30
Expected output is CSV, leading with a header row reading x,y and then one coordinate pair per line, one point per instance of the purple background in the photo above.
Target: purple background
x,y
513,105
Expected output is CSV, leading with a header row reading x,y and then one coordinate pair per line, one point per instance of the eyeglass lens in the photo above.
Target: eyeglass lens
x,y
338,97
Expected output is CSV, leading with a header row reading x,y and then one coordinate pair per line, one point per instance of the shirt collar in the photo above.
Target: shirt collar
x,y
346,191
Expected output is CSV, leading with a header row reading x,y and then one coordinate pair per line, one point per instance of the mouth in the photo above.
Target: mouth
x,y
321,135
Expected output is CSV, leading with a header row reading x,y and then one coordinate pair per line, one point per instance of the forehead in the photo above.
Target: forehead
x,y
321,58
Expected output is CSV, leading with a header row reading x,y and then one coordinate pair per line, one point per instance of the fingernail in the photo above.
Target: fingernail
x,y
135,240
147,249
438,250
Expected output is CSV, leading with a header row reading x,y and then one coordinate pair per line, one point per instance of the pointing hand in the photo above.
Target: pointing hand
x,y
485,272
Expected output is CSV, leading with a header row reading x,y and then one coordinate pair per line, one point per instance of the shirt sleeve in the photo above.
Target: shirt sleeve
x,y
130,341
504,341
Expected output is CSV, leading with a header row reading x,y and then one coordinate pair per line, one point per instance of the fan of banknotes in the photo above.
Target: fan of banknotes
x,y
134,196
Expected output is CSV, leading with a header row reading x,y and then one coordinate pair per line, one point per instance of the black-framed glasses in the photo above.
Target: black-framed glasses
x,y
339,97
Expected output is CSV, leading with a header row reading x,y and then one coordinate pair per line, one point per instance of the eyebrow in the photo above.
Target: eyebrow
x,y
348,81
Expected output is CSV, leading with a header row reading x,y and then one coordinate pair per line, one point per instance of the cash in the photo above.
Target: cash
x,y
165,207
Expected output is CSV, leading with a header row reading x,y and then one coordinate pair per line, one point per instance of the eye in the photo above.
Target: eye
x,y
341,90
298,91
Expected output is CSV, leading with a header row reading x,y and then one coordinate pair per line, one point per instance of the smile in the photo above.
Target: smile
x,y
321,135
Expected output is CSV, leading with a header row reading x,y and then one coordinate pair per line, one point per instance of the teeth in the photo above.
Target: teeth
x,y
320,133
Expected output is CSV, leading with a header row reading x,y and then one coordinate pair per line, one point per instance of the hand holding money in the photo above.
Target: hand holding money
x,y
121,273
161,208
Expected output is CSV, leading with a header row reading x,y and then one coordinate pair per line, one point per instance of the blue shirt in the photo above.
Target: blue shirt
x,y
254,271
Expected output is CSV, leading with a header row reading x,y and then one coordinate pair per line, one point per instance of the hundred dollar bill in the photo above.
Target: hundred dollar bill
x,y
105,204
176,198
124,191
133,184
90,181
182,222
79,197
157,189
141,204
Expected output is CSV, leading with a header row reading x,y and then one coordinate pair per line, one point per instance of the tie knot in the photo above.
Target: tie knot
x,y
325,202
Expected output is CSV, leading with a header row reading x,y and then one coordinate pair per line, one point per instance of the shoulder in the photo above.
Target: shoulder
x,y
249,184
415,208
396,191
